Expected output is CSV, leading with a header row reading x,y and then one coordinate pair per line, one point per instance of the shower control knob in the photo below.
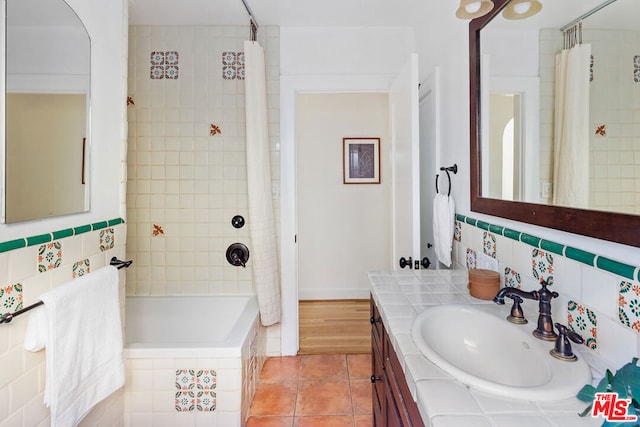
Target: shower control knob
x,y
406,262
237,221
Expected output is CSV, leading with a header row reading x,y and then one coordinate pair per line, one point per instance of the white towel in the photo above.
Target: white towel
x,y
79,324
443,227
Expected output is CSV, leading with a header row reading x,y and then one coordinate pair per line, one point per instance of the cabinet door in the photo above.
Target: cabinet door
x,y
378,381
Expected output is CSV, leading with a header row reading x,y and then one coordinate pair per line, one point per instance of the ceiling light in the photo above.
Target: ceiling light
x,y
471,9
520,9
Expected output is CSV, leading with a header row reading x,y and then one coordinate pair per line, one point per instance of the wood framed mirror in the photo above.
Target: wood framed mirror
x,y
612,226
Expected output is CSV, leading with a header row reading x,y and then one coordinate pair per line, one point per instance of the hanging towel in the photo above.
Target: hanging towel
x,y
79,325
266,277
443,227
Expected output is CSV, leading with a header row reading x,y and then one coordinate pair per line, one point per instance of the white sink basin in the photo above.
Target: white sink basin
x,y
479,347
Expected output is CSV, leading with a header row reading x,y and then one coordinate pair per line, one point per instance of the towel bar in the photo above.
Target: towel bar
x,y
8,317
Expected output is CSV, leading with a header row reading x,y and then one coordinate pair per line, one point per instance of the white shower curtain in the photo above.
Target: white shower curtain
x,y
571,128
266,277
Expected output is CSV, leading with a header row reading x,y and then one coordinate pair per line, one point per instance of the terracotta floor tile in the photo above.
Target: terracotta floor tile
x,y
359,365
361,396
269,422
324,421
274,398
317,397
324,366
362,420
281,368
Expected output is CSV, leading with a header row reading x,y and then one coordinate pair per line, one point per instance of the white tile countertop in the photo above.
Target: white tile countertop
x,y
442,400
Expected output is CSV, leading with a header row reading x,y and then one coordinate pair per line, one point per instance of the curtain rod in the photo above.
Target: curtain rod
x,y
246,6
584,15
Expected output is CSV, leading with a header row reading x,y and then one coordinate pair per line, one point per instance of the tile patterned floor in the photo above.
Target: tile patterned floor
x,y
314,391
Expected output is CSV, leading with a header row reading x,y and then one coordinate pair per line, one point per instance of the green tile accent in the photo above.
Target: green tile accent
x,y
99,225
81,229
12,245
116,221
470,221
483,225
38,240
530,240
580,255
62,233
496,229
512,234
616,267
554,247
460,217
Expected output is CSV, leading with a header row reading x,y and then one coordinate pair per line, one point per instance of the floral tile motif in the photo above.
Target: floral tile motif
x,y
81,268
157,230
457,231
10,298
130,101
164,65
582,320
195,390
591,69
542,264
49,256
107,239
214,130
636,68
512,278
601,130
472,261
629,305
233,65
489,244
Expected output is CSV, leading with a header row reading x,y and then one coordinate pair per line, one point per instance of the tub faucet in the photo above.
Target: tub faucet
x,y
544,331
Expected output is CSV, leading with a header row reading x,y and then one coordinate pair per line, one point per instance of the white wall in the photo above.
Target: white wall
x,y
343,229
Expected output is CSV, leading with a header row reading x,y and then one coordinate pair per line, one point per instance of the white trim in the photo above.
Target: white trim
x,y
290,85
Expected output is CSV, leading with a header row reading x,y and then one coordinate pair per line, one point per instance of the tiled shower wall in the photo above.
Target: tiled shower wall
x,y
186,159
615,115
598,297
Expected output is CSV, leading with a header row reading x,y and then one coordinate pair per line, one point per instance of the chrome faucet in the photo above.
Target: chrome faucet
x,y
544,331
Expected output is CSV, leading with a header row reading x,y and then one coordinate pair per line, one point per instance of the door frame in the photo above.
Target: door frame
x,y
290,86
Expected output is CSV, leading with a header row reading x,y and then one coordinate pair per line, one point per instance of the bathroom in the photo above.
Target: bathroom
x,y
357,52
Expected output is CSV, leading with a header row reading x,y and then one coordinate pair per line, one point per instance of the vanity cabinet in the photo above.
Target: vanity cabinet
x,y
393,405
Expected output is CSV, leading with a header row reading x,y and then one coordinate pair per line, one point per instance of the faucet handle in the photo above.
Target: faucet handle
x,y
551,294
517,315
562,349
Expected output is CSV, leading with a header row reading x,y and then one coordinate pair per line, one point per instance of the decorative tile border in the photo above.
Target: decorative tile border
x,y
81,268
512,278
56,235
489,244
629,305
195,390
49,256
619,268
164,65
107,239
10,298
583,321
542,266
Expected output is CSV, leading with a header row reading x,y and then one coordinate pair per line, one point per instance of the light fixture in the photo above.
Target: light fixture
x,y
471,9
520,9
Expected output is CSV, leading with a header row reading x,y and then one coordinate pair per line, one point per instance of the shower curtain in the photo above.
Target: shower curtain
x,y
266,277
571,127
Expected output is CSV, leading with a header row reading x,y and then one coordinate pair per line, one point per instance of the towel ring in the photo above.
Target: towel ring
x,y
453,169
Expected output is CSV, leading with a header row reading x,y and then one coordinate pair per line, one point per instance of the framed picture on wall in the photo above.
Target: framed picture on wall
x,y
361,160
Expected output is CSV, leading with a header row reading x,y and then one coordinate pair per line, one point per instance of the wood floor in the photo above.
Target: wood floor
x,y
334,327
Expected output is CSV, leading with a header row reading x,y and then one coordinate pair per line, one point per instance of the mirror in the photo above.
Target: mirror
x,y
512,120
46,142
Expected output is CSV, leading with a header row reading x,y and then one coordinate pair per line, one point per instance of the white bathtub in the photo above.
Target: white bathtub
x,y
188,326
192,360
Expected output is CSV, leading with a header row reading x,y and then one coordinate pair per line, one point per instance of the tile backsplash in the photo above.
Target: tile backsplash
x,y
599,297
29,267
